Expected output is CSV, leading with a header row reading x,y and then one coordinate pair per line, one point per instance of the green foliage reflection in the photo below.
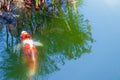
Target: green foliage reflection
x,y
64,33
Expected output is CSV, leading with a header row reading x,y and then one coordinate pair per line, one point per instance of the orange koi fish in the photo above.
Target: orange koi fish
x,y
29,51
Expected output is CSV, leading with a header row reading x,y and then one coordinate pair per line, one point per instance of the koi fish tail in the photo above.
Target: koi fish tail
x,y
32,69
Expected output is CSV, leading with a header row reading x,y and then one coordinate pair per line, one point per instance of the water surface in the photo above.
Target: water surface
x,y
104,62
65,35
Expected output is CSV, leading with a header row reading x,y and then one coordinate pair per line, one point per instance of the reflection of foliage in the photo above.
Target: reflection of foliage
x,y
12,68
64,33
65,36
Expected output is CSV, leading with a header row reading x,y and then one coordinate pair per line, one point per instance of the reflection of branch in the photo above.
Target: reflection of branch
x,y
74,5
68,26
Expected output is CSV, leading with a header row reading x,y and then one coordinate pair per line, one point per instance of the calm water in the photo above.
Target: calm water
x,y
104,61
101,64
64,33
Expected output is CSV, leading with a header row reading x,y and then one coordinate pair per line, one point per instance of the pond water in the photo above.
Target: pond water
x,y
67,41
64,34
103,63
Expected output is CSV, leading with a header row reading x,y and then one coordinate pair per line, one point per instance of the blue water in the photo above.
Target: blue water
x,y
104,61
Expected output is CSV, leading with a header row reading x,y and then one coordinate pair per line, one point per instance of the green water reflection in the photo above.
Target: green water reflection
x,y
65,35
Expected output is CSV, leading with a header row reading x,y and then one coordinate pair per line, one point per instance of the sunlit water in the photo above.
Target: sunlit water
x,y
104,61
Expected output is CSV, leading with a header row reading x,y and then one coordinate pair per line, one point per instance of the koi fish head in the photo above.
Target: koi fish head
x,y
25,35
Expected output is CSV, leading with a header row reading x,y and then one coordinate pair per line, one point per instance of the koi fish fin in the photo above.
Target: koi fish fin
x,y
37,43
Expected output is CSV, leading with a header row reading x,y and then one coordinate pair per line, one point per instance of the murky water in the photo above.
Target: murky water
x,y
65,35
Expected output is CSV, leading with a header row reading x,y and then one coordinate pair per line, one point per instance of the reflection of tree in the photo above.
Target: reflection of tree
x,y
65,36
12,68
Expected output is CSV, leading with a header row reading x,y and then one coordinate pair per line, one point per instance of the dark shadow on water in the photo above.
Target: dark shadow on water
x,y
64,33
